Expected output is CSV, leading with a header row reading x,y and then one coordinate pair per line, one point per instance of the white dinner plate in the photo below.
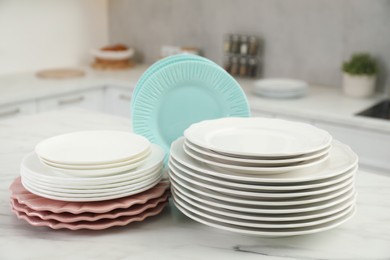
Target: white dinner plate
x,y
141,157
255,169
264,232
235,203
253,162
92,147
89,197
213,207
96,172
341,159
92,189
259,137
259,224
260,194
253,186
34,168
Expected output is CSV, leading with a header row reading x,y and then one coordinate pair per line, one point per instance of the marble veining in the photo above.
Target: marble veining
x,y
172,235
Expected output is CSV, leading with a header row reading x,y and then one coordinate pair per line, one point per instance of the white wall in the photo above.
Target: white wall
x,y
50,33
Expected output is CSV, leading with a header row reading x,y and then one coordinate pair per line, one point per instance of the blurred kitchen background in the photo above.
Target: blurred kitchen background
x,y
302,39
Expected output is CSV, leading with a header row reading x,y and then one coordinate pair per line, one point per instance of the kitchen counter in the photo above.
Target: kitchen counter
x,y
172,235
324,103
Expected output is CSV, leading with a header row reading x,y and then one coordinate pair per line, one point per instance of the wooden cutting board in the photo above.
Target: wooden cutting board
x,y
60,73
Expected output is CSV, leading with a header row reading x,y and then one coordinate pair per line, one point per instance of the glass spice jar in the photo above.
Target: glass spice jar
x,y
234,67
227,64
253,45
227,43
252,67
244,45
235,44
243,67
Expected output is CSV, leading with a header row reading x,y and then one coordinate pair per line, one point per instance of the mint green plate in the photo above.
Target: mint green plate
x,y
183,93
161,64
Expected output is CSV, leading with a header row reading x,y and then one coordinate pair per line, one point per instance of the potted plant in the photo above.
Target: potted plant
x,y
360,75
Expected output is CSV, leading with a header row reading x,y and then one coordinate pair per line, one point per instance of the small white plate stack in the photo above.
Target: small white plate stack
x,y
92,166
265,177
280,88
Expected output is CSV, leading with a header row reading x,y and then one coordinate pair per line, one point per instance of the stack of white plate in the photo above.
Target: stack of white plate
x,y
92,166
280,88
265,177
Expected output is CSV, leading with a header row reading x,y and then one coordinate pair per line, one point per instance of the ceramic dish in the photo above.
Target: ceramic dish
x,y
101,187
95,225
255,169
198,202
280,88
132,189
141,157
268,232
258,137
185,85
38,203
260,224
270,205
35,169
252,162
122,187
161,64
113,55
254,186
87,216
341,159
92,147
196,183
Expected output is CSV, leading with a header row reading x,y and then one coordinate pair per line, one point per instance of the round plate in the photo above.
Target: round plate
x,y
71,218
121,186
132,189
94,225
33,167
180,94
38,203
260,194
141,157
254,186
242,204
267,232
252,162
341,159
92,147
258,137
256,169
259,224
161,64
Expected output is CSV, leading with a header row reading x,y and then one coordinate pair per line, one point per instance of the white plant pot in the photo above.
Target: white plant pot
x,y
358,85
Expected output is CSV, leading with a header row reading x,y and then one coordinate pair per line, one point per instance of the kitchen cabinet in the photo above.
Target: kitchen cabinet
x,y
18,109
118,101
92,99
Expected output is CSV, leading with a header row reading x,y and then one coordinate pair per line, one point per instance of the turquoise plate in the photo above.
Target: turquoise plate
x,y
162,63
180,94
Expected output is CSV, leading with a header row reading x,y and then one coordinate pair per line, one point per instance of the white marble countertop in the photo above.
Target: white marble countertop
x,y
172,235
322,103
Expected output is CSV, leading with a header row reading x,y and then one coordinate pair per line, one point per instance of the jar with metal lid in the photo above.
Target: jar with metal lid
x,y
227,43
234,67
253,45
227,64
244,45
252,67
235,44
243,67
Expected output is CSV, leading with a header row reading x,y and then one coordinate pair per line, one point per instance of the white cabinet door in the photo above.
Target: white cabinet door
x,y
92,99
118,101
372,147
18,109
